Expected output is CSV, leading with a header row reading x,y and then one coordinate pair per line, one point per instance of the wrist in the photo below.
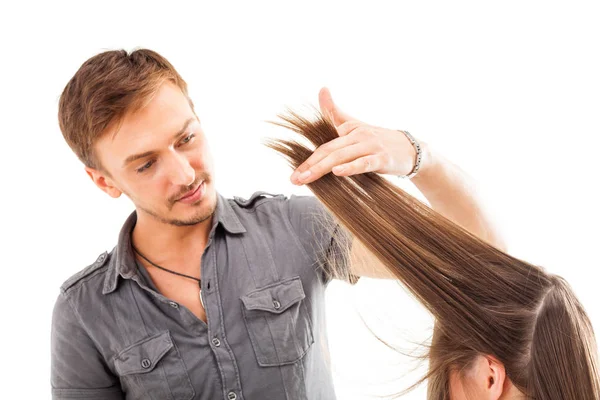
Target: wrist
x,y
416,153
429,162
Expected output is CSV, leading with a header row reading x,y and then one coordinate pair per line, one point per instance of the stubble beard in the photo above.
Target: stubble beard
x,y
203,212
201,216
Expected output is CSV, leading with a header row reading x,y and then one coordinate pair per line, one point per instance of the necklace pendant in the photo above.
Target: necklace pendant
x,y
201,301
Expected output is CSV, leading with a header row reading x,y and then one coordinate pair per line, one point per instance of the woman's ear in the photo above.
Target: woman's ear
x,y
487,373
483,379
496,378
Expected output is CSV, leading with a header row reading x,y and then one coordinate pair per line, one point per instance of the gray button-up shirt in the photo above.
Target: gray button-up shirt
x,y
114,336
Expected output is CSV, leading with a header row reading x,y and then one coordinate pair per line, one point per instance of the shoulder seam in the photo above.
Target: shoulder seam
x,y
253,202
85,278
85,273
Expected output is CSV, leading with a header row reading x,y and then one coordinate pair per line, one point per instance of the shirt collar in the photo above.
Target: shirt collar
x,y
122,263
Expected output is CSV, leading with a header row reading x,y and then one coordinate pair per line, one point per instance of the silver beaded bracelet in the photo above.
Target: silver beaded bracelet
x,y
418,157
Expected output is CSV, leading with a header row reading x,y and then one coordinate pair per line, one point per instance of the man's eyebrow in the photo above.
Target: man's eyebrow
x,y
149,153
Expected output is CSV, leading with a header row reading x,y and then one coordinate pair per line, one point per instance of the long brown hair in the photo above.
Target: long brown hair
x,y
484,301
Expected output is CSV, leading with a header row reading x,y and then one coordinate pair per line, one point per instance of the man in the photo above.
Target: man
x,y
205,297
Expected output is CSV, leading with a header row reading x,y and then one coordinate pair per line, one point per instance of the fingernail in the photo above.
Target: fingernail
x,y
304,175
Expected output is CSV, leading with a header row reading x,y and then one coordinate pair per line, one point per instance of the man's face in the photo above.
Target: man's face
x,y
157,156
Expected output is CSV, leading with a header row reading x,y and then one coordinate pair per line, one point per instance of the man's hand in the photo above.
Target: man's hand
x,y
365,148
360,148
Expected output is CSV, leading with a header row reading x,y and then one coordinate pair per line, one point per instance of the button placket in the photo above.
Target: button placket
x,y
228,367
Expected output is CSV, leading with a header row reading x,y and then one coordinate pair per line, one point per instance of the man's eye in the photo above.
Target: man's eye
x,y
145,167
188,138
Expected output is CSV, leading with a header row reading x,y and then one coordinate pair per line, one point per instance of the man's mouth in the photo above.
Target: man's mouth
x,y
192,192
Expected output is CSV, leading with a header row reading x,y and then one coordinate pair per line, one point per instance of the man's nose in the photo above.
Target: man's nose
x,y
180,170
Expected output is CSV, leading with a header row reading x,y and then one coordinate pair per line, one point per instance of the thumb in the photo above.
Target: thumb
x,y
330,110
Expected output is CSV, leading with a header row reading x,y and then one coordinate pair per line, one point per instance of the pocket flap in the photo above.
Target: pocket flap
x,y
276,297
142,357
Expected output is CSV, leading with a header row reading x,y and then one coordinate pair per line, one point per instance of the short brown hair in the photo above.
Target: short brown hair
x,y
104,89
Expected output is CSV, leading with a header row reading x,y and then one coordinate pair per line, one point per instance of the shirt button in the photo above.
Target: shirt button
x,y
173,304
216,342
146,363
231,396
276,304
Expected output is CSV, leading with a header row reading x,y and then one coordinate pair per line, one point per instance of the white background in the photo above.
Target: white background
x,y
508,90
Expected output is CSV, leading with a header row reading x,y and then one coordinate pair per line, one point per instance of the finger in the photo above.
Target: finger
x,y
348,126
360,165
330,110
320,153
339,157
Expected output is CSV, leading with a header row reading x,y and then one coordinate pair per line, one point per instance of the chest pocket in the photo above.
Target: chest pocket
x,y
153,369
278,322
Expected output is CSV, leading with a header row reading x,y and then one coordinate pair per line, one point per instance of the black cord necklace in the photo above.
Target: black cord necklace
x,y
168,270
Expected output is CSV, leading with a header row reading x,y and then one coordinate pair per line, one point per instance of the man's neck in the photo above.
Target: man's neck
x,y
162,242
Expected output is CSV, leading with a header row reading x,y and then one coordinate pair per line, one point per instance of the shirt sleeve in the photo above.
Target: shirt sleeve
x,y
322,236
78,370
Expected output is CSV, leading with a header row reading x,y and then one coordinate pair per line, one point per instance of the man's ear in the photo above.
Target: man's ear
x,y
104,182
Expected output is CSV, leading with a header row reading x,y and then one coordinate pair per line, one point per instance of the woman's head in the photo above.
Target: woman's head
x,y
503,327
542,349
557,358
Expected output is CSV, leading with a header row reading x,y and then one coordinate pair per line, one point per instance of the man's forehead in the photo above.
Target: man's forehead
x,y
163,112
159,130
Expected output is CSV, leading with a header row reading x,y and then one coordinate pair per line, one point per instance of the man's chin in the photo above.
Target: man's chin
x,y
190,222
187,214
196,213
